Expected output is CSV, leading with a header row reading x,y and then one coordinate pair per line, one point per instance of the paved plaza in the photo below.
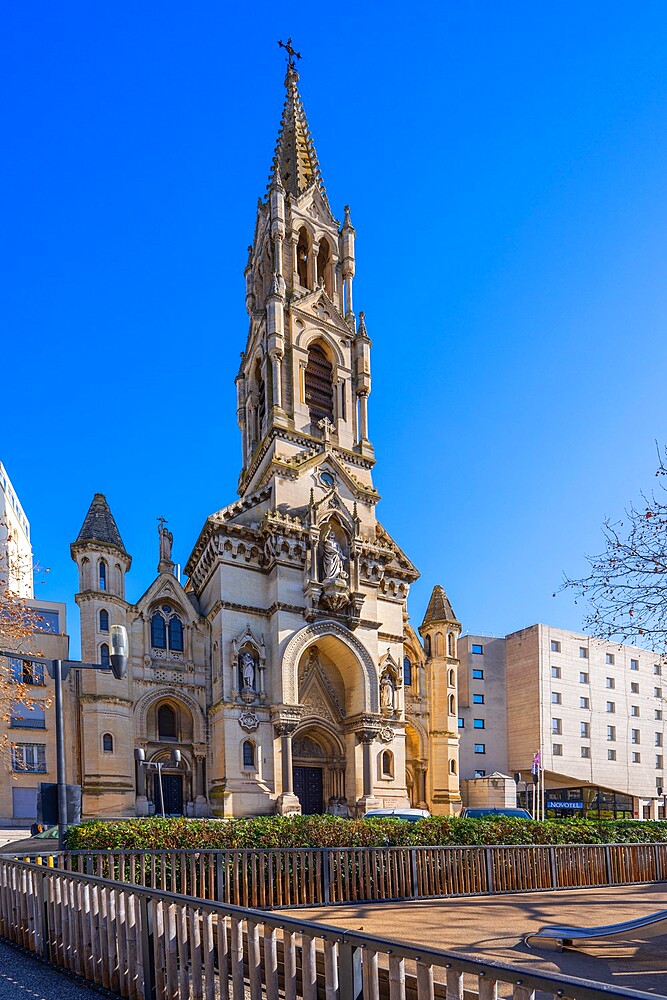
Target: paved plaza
x,y
494,927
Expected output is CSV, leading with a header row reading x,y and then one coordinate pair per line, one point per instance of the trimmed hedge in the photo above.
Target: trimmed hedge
x,y
180,833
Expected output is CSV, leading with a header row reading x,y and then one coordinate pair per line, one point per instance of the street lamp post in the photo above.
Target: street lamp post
x,y
157,765
59,671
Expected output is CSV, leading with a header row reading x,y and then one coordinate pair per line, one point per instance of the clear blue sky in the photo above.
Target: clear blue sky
x,y
505,165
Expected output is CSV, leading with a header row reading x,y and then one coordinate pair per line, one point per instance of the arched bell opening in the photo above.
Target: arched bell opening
x,y
415,768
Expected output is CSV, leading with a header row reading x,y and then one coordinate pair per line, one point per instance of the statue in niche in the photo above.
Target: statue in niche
x,y
247,665
333,558
387,695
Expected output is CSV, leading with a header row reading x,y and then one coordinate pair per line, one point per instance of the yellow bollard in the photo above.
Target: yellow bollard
x,y
49,861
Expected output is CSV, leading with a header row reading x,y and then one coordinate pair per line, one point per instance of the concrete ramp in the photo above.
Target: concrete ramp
x,y
557,938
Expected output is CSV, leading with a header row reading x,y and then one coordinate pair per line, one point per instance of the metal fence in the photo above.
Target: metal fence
x,y
318,877
146,944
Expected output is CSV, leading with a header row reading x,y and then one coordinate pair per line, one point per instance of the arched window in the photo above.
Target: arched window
x,y
438,644
387,764
319,384
104,621
450,644
452,705
452,766
107,743
166,723
261,399
324,266
452,679
427,645
302,257
158,632
175,633
104,655
248,753
407,671
102,575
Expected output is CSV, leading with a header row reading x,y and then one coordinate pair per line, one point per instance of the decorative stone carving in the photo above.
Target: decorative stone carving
x,y
387,694
386,734
333,559
248,720
303,746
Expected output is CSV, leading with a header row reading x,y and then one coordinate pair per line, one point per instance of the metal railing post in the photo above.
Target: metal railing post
x,y
552,868
43,911
349,972
413,872
326,875
489,869
147,949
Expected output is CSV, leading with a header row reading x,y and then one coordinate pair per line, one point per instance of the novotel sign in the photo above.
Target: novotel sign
x,y
557,804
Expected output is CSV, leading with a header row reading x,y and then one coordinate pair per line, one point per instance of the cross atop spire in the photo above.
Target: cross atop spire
x,y
290,53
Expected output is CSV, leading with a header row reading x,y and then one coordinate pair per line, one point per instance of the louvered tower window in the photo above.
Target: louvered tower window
x,y
261,399
319,384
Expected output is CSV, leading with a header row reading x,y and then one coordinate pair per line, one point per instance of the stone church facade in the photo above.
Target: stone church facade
x,y
285,670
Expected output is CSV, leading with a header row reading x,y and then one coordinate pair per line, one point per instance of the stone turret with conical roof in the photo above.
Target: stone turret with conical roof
x,y
99,552
440,631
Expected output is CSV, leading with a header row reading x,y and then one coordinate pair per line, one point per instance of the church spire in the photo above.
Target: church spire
x,y
295,165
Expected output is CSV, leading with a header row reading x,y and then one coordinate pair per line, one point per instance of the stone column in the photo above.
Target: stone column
x,y
363,416
420,773
285,721
366,736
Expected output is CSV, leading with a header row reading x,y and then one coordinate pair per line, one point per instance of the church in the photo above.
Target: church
x,y
285,670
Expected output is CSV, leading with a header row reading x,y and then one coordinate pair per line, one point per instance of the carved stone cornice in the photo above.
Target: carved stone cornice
x,y
286,719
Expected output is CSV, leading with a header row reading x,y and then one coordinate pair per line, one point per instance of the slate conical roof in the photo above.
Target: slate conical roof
x,y
295,164
99,525
439,609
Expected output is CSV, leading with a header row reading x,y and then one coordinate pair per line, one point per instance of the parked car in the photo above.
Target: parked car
x,y
481,812
411,815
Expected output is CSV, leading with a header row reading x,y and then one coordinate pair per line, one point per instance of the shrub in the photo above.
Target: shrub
x,y
180,833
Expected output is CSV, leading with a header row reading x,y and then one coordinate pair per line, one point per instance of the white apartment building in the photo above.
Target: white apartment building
x,y
594,710
15,548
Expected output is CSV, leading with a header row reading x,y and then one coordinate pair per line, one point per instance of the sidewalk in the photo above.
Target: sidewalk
x,y
26,978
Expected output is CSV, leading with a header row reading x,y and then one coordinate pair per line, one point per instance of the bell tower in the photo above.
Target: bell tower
x,y
304,378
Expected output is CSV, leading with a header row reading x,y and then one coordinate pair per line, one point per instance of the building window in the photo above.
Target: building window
x,y
611,734
480,747
634,711
477,649
478,675
611,755
104,655
478,699
107,743
584,703
27,717
175,634
583,652
658,761
634,664
427,645
635,736
387,764
558,749
657,692
658,739
452,705
47,621
585,751
452,766
166,723
634,688
583,678
657,669
556,698
450,644
556,727
104,621
248,754
319,384
451,678
102,575
478,723
479,773
611,707
585,730
555,671
461,724
407,671
609,658
158,631
657,715
610,682
29,757
636,758
26,672
555,646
